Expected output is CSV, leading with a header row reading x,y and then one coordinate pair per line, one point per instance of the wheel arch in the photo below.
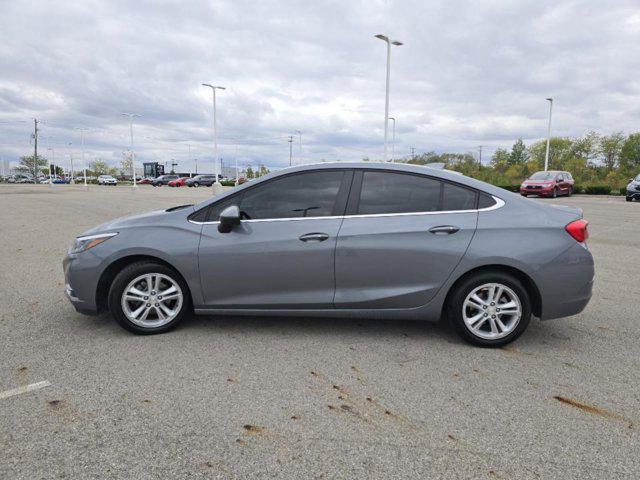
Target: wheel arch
x,y
527,282
109,273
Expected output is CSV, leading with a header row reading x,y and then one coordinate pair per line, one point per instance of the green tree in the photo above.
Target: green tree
x,y
263,170
99,167
630,152
500,159
125,165
610,147
519,154
32,164
250,173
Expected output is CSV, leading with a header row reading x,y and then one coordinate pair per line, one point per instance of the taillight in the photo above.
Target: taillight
x,y
578,230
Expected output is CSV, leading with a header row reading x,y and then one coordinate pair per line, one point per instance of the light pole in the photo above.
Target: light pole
x,y
84,164
72,182
300,145
290,149
386,101
393,140
480,155
133,165
215,131
546,156
53,157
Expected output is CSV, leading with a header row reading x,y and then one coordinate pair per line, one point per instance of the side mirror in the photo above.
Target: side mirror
x,y
630,180
229,218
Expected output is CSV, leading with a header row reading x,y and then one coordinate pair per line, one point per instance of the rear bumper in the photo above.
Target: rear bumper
x,y
567,283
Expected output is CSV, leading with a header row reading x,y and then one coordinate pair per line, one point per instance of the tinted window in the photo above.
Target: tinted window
x,y
486,201
311,194
458,198
384,192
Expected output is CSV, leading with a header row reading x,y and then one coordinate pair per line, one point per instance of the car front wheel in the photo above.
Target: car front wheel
x,y
489,309
148,297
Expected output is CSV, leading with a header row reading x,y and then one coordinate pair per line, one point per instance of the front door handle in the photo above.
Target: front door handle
x,y
314,237
444,230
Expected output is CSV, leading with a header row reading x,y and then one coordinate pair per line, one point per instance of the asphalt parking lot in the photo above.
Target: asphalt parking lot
x,y
306,398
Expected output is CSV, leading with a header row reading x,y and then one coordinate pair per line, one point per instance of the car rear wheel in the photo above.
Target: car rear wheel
x,y
489,309
148,297
196,184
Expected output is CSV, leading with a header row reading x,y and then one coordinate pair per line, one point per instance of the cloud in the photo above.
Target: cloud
x,y
468,74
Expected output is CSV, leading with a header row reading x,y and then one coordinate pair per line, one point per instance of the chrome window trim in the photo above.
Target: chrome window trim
x,y
499,204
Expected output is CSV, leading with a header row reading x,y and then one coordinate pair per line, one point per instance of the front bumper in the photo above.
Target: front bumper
x,y
536,191
635,194
80,280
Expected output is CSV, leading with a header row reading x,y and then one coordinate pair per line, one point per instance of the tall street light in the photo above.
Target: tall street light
x,y
84,164
300,145
215,131
546,156
133,165
51,162
386,101
393,139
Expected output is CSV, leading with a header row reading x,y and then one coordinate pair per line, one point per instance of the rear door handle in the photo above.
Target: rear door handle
x,y
314,237
444,230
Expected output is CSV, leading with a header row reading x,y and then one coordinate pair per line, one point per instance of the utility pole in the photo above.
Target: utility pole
x,y
173,165
290,149
480,158
413,153
35,149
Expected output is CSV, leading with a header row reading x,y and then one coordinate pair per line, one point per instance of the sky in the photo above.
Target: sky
x,y
468,74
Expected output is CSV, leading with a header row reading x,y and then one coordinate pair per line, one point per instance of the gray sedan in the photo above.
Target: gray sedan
x,y
342,240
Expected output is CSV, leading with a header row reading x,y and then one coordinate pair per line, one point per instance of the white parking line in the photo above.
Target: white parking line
x,y
24,389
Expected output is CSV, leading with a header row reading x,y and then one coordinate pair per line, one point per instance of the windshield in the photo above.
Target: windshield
x,y
542,176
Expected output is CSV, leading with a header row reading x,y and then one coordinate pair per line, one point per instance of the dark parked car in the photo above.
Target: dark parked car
x,y
633,189
163,180
205,180
342,240
548,184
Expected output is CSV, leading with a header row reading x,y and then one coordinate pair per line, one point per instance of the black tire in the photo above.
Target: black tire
x,y
129,273
196,184
570,191
555,193
629,199
466,286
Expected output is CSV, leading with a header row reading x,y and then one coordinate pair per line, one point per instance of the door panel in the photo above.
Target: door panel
x,y
395,261
266,264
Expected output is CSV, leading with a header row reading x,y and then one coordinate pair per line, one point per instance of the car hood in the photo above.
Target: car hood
x,y
148,218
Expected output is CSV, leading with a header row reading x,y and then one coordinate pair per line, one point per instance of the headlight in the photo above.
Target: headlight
x,y
82,244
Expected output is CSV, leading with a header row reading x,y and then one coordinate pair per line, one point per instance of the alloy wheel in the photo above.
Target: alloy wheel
x,y
152,300
491,311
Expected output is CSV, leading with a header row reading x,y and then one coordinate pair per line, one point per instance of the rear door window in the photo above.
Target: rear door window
x,y
390,192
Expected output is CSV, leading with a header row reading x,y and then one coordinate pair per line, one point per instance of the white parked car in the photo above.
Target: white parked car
x,y
107,180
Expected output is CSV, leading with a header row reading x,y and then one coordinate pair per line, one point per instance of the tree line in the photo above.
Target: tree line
x,y
592,159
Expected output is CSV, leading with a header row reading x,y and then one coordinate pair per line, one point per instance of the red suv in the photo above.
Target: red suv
x,y
548,184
